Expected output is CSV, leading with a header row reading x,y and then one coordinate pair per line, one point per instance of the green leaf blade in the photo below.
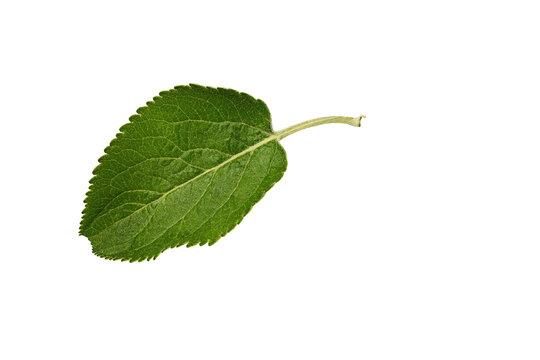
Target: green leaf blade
x,y
184,171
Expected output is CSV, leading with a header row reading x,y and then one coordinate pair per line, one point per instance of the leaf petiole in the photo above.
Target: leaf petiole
x,y
353,121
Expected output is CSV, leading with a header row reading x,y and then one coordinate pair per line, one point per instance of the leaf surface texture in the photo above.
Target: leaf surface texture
x,y
185,170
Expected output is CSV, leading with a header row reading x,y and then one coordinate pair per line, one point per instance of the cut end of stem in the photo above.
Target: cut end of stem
x,y
357,120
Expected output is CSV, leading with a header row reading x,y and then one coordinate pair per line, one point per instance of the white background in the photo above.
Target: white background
x,y
413,237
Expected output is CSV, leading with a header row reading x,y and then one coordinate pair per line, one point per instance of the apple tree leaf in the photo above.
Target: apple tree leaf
x,y
185,170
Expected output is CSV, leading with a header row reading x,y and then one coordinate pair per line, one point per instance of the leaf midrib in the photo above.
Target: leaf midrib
x,y
247,150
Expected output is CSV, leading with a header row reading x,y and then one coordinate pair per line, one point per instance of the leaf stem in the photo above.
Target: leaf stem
x,y
319,121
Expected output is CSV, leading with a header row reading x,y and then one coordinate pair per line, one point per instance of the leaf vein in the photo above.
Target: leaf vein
x,y
229,198
232,158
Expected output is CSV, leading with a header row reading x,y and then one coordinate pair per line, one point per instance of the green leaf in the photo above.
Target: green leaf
x,y
185,170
